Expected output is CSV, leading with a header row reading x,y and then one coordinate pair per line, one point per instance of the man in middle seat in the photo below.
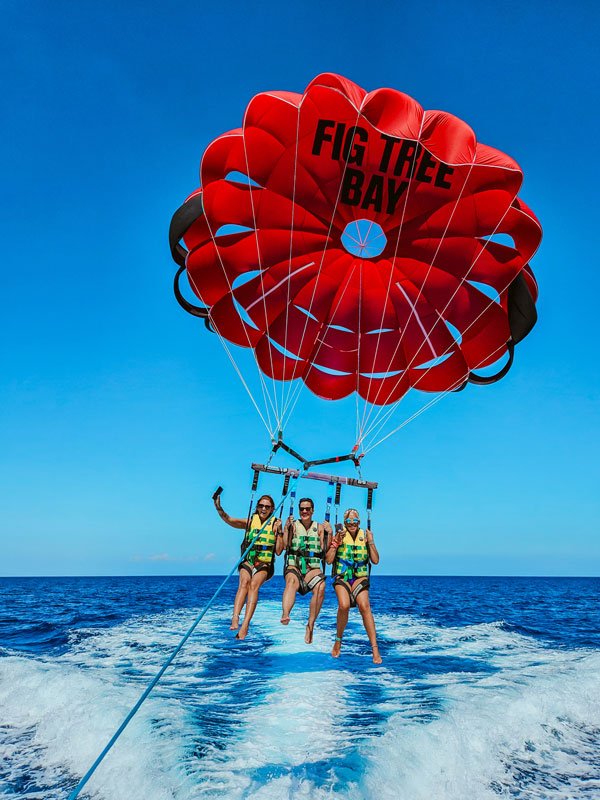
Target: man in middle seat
x,y
304,541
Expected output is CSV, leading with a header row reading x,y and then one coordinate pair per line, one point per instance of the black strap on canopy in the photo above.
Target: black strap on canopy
x,y
182,220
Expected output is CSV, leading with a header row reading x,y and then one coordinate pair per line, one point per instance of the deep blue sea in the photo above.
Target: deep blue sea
x,y
490,688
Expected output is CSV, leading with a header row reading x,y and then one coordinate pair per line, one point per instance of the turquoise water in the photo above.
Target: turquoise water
x,y
490,688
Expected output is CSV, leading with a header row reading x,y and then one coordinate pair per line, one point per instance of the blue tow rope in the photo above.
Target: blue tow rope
x,y
171,658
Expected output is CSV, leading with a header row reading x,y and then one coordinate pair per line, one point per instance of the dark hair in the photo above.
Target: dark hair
x,y
306,500
266,497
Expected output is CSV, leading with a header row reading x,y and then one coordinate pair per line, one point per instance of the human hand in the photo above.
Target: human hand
x,y
336,541
370,539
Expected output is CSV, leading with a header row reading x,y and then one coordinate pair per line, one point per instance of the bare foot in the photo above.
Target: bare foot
x,y
235,622
377,659
285,620
308,636
242,633
335,650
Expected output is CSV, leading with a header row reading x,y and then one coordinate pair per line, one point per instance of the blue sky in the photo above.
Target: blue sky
x,y
120,414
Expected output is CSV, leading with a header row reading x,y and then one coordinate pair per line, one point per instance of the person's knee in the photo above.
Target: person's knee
x,y
244,579
344,604
362,601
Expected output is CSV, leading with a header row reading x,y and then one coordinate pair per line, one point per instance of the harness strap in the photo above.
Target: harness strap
x,y
306,553
353,562
315,581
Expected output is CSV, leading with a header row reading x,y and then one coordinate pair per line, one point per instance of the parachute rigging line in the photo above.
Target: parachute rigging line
x,y
76,791
287,305
476,379
266,422
266,397
182,220
422,410
382,417
261,273
413,304
313,354
411,183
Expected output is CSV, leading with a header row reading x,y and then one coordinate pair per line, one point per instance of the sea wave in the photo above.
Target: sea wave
x,y
474,711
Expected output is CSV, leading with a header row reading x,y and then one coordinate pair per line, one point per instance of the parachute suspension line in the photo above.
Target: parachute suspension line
x,y
284,387
314,291
440,315
76,791
266,395
357,436
359,342
260,272
428,405
413,311
180,256
296,394
266,422
316,351
382,420
392,270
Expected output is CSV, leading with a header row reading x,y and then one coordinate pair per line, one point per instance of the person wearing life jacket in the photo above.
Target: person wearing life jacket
x,y
304,542
258,565
351,552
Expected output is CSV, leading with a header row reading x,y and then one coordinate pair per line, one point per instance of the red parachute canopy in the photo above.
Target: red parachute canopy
x,y
351,239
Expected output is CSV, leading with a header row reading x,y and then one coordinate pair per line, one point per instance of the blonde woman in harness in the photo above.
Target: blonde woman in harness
x,y
351,552
304,541
259,564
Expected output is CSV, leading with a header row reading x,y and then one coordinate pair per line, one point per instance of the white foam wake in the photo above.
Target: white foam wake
x,y
473,713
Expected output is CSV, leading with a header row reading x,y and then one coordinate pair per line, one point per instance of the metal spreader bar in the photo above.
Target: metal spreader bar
x,y
316,476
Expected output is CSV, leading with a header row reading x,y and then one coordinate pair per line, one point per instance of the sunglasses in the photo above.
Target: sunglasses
x,y
305,508
264,505
352,520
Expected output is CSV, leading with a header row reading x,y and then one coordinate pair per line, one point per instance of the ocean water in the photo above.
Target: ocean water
x,y
490,688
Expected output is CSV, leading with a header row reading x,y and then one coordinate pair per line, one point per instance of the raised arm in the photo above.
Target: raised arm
x,y
235,522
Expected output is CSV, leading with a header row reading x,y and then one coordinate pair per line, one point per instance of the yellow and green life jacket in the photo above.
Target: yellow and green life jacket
x,y
305,551
263,549
352,557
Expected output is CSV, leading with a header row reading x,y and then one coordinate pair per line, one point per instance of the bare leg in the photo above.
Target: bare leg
x,y
289,596
316,602
252,599
240,599
342,618
364,606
